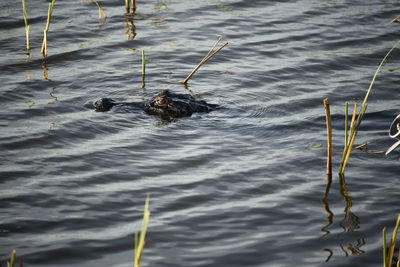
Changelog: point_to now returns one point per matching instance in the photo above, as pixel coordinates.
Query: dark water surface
(240, 186)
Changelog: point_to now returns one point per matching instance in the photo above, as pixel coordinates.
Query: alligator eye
(161, 101)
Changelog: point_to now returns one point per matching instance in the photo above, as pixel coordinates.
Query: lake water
(244, 185)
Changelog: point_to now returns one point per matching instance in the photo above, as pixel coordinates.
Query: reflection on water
(325, 204)
(130, 29)
(349, 224)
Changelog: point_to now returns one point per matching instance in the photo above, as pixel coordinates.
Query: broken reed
(388, 258)
(209, 55)
(355, 125)
(49, 13)
(139, 237)
(26, 27)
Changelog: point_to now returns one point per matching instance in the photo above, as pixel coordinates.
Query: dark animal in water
(164, 104)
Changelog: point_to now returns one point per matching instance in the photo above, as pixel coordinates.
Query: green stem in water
(26, 26)
(143, 69)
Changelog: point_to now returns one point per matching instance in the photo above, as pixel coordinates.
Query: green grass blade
(384, 247)
(24, 11)
(379, 67)
(140, 244)
(12, 260)
(143, 68)
(346, 114)
(393, 241)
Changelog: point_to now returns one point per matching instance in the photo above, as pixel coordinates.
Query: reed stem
(346, 114)
(393, 241)
(139, 244)
(353, 119)
(127, 6)
(44, 44)
(143, 68)
(205, 59)
(385, 261)
(354, 131)
(329, 137)
(133, 6)
(101, 11)
(26, 26)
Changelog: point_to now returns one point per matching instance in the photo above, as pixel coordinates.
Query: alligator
(164, 104)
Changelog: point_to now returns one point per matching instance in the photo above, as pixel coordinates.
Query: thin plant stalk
(133, 6)
(205, 59)
(329, 137)
(393, 241)
(353, 119)
(376, 72)
(101, 11)
(139, 241)
(143, 68)
(12, 259)
(26, 27)
(127, 6)
(49, 13)
(384, 247)
(347, 150)
(353, 133)
(45, 43)
(346, 114)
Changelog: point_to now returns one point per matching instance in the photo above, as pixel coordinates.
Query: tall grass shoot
(357, 123)
(139, 237)
(26, 27)
(49, 13)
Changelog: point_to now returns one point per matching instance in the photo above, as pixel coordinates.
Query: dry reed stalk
(100, 10)
(329, 137)
(363, 145)
(127, 6)
(133, 6)
(205, 59)
(396, 19)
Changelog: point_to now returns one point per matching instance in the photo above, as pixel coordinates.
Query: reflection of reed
(354, 249)
(130, 28)
(330, 254)
(349, 223)
(44, 66)
(54, 98)
(350, 218)
(326, 207)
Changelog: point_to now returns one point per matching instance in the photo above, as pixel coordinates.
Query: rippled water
(241, 186)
